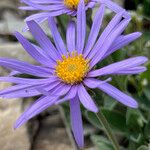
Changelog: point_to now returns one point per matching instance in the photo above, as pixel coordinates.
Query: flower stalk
(107, 128)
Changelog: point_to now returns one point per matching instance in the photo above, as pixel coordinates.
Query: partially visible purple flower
(58, 7)
(67, 71)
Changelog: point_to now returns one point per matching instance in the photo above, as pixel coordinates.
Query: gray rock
(11, 139)
(52, 135)
(15, 50)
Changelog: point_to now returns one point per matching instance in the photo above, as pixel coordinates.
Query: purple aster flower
(66, 71)
(59, 7)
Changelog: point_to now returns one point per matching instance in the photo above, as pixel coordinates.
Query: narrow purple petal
(61, 89)
(115, 93)
(119, 66)
(118, 95)
(27, 8)
(134, 70)
(43, 40)
(70, 95)
(13, 73)
(46, 1)
(36, 19)
(38, 15)
(56, 36)
(114, 7)
(38, 106)
(86, 99)
(110, 39)
(41, 17)
(24, 67)
(47, 89)
(33, 52)
(76, 121)
(90, 4)
(18, 91)
(81, 27)
(70, 37)
(91, 82)
(112, 24)
(57, 6)
(122, 41)
(40, 50)
(94, 30)
(28, 81)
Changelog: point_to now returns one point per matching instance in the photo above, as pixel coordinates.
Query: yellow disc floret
(72, 69)
(73, 4)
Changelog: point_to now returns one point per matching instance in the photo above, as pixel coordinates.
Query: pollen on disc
(72, 69)
(73, 4)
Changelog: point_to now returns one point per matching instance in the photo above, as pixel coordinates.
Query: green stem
(108, 131)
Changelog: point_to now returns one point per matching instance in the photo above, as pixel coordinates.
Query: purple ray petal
(46, 1)
(57, 6)
(38, 106)
(94, 30)
(90, 5)
(122, 41)
(76, 121)
(91, 82)
(47, 89)
(134, 70)
(19, 90)
(119, 66)
(112, 24)
(115, 93)
(33, 52)
(38, 15)
(70, 95)
(13, 73)
(40, 50)
(56, 36)
(43, 40)
(70, 37)
(41, 17)
(61, 89)
(86, 100)
(29, 92)
(24, 67)
(37, 20)
(27, 8)
(116, 8)
(24, 88)
(118, 95)
(110, 39)
(81, 27)
(28, 81)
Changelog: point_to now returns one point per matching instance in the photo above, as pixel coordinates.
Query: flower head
(66, 71)
(59, 7)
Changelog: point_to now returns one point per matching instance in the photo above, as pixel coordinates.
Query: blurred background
(51, 129)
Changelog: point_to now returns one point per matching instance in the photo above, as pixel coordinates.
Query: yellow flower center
(72, 69)
(73, 4)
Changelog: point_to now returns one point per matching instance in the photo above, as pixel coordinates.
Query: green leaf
(116, 120)
(134, 119)
(146, 74)
(143, 147)
(147, 93)
(147, 130)
(101, 143)
(136, 137)
(109, 103)
(92, 118)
